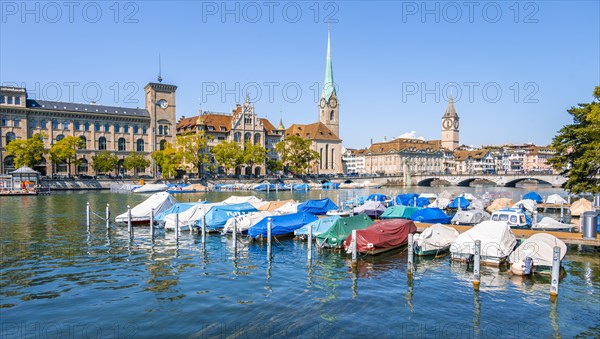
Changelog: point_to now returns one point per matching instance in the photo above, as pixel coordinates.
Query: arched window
(117, 128)
(332, 157)
(76, 126)
(106, 127)
(102, 143)
(247, 137)
(163, 144)
(10, 136)
(97, 127)
(9, 163)
(83, 166)
(160, 130)
(86, 126)
(144, 129)
(237, 136)
(121, 144)
(257, 138)
(126, 129)
(55, 124)
(321, 158)
(136, 129)
(326, 156)
(331, 115)
(83, 142)
(166, 130)
(43, 124)
(65, 125)
(60, 137)
(140, 145)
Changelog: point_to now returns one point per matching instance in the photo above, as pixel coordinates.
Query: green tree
(27, 152)
(134, 161)
(274, 165)
(577, 148)
(229, 154)
(104, 162)
(65, 150)
(193, 149)
(253, 154)
(169, 160)
(296, 154)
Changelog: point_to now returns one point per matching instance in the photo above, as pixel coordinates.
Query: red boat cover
(382, 234)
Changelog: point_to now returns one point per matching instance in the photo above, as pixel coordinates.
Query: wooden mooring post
(477, 265)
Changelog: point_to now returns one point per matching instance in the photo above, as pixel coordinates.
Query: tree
(296, 154)
(134, 161)
(169, 160)
(274, 165)
(253, 154)
(27, 152)
(193, 148)
(228, 154)
(577, 148)
(65, 150)
(104, 162)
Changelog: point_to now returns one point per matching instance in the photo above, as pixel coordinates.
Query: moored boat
(339, 231)
(141, 213)
(497, 242)
(434, 240)
(535, 254)
(514, 217)
(381, 236)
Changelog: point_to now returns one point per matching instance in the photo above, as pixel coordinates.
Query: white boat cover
(445, 195)
(252, 200)
(540, 248)
(468, 196)
(159, 201)
(370, 208)
(245, 221)
(288, 208)
(435, 237)
(555, 199)
(582, 205)
(500, 203)
(189, 217)
(497, 240)
(549, 224)
(151, 188)
(470, 217)
(440, 203)
(428, 195)
(479, 204)
(528, 205)
(273, 205)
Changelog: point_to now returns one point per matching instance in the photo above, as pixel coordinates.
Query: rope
(99, 216)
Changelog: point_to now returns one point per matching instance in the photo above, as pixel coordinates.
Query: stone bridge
(505, 180)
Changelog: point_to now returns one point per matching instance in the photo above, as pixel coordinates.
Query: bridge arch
(427, 182)
(514, 182)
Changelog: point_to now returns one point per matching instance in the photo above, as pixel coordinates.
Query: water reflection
(491, 278)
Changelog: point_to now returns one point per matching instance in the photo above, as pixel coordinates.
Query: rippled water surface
(59, 280)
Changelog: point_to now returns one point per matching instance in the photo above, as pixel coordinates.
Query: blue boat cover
(459, 201)
(282, 224)
(318, 226)
(330, 185)
(377, 197)
(301, 187)
(408, 199)
(183, 206)
(431, 215)
(533, 196)
(317, 207)
(217, 216)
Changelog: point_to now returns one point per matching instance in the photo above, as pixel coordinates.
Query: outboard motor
(528, 266)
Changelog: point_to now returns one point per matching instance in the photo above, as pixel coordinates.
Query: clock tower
(329, 108)
(450, 124)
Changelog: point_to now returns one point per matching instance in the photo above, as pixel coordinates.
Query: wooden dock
(568, 237)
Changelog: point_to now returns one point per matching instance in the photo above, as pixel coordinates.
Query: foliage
(296, 154)
(577, 148)
(193, 149)
(65, 150)
(135, 161)
(253, 154)
(229, 154)
(274, 165)
(169, 160)
(27, 152)
(104, 162)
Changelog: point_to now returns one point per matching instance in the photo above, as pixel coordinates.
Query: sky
(513, 68)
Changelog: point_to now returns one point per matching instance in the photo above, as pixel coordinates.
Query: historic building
(241, 125)
(450, 124)
(480, 161)
(354, 161)
(120, 130)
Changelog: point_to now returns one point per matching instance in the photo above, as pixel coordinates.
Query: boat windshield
(513, 219)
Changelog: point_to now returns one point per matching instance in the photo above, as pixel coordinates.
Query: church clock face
(333, 102)
(447, 124)
(323, 103)
(163, 103)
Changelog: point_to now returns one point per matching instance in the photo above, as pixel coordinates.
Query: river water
(60, 280)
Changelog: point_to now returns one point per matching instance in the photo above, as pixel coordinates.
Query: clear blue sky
(389, 58)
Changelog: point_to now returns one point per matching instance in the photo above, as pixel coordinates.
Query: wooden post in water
(129, 223)
(309, 253)
(152, 223)
(234, 236)
(411, 251)
(203, 229)
(354, 250)
(555, 272)
(87, 214)
(269, 228)
(476, 264)
(177, 226)
(108, 215)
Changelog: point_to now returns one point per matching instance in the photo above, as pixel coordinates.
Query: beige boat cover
(500, 204)
(580, 206)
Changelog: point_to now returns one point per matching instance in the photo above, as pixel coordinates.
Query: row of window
(77, 126)
(16, 122)
(121, 142)
(10, 100)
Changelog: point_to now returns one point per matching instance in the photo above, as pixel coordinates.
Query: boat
(217, 216)
(497, 242)
(178, 207)
(376, 197)
(273, 205)
(151, 188)
(459, 203)
(301, 187)
(533, 196)
(499, 204)
(431, 216)
(141, 213)
(399, 212)
(470, 217)
(281, 224)
(535, 254)
(555, 199)
(193, 188)
(189, 218)
(342, 212)
(526, 204)
(578, 207)
(440, 202)
(287, 208)
(317, 207)
(410, 199)
(245, 221)
(549, 224)
(381, 236)
(236, 199)
(435, 239)
(319, 226)
(373, 209)
(339, 231)
(514, 217)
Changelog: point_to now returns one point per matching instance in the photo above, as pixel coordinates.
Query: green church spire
(328, 84)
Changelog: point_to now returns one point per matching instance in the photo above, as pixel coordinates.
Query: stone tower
(450, 126)
(329, 109)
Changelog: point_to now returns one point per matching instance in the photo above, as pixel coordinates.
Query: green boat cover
(399, 212)
(341, 229)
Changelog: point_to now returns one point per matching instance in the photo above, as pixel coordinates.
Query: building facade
(120, 130)
(450, 125)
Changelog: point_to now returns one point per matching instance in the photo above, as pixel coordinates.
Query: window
(97, 127)
(136, 129)
(117, 128)
(83, 142)
(166, 130)
(55, 124)
(65, 125)
(140, 145)
(102, 143)
(33, 123)
(83, 166)
(163, 144)
(10, 136)
(513, 219)
(247, 137)
(331, 115)
(10, 100)
(76, 126)
(17, 122)
(2, 99)
(17, 100)
(86, 126)
(61, 167)
(160, 130)
(60, 137)
(4, 122)
(121, 144)
(126, 128)
(43, 124)
(106, 127)
(144, 129)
